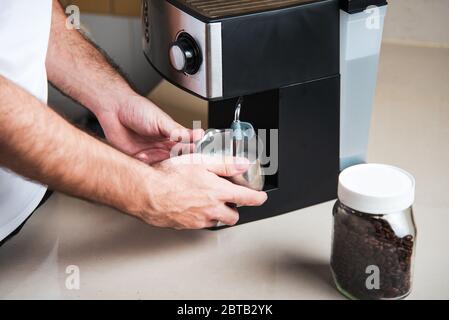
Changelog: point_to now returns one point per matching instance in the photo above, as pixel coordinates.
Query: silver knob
(185, 54)
(177, 58)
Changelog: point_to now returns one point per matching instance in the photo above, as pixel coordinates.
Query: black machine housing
(283, 58)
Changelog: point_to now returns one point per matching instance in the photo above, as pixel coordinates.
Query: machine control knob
(185, 54)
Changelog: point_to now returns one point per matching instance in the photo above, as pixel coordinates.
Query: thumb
(219, 165)
(178, 133)
(226, 166)
(169, 128)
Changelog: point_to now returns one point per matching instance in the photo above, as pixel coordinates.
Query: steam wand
(237, 109)
(241, 130)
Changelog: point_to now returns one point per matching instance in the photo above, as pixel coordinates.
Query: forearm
(38, 144)
(81, 71)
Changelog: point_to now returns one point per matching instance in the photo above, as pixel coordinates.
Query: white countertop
(286, 257)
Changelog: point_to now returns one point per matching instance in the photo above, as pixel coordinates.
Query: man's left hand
(139, 128)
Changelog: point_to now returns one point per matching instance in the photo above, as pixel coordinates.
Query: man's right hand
(189, 192)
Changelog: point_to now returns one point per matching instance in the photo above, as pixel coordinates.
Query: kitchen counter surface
(286, 257)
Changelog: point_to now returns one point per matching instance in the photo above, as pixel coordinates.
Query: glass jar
(374, 233)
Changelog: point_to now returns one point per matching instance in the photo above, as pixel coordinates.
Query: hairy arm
(181, 193)
(76, 67)
(132, 124)
(38, 144)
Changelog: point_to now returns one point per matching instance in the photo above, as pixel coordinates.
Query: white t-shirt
(24, 34)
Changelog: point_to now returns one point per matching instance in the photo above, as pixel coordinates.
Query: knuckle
(188, 226)
(202, 225)
(227, 170)
(263, 197)
(197, 224)
(211, 214)
(235, 219)
(256, 198)
(229, 217)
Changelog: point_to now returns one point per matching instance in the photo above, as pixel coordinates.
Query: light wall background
(418, 22)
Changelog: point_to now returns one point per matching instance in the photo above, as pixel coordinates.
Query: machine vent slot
(222, 8)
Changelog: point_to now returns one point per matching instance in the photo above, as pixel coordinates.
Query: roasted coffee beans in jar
(374, 233)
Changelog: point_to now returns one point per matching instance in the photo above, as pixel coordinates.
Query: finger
(197, 135)
(180, 149)
(152, 156)
(226, 166)
(179, 133)
(141, 144)
(219, 165)
(242, 196)
(210, 224)
(228, 216)
(143, 157)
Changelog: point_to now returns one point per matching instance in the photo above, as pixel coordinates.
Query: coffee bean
(361, 240)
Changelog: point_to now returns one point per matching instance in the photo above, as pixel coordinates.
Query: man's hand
(131, 123)
(139, 128)
(188, 192)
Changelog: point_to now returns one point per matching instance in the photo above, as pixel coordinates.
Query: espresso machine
(293, 64)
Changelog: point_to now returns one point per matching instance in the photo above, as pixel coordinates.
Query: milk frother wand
(240, 131)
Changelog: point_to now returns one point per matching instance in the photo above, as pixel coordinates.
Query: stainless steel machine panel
(162, 23)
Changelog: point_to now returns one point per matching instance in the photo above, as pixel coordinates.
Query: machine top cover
(217, 9)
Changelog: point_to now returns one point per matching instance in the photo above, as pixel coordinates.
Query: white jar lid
(376, 188)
